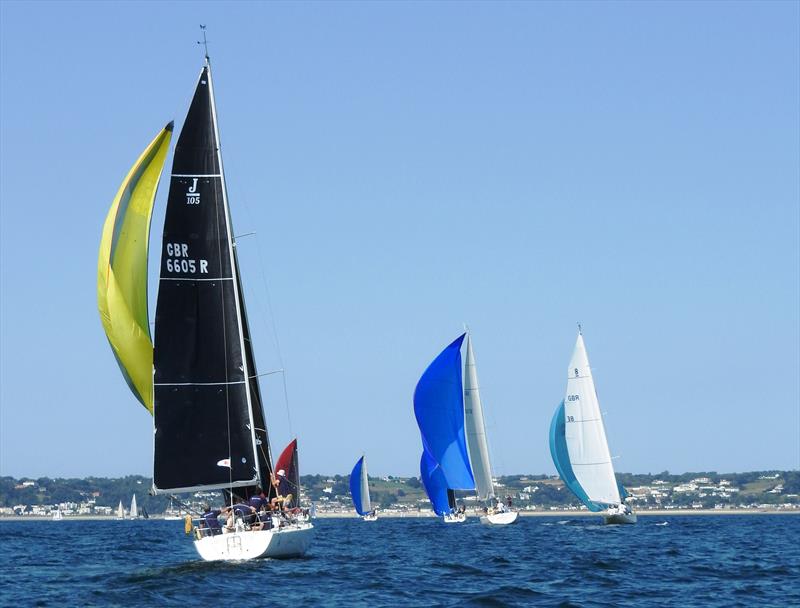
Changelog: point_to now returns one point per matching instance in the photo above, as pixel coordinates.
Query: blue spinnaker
(355, 486)
(560, 454)
(439, 408)
(623, 493)
(435, 484)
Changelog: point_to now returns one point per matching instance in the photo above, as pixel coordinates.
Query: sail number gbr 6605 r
(182, 262)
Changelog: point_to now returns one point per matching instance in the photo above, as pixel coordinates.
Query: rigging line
(270, 312)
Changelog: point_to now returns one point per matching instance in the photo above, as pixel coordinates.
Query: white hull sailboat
(120, 511)
(616, 517)
(454, 518)
(199, 379)
(579, 446)
(134, 512)
(500, 518)
(496, 513)
(290, 541)
(58, 515)
(455, 451)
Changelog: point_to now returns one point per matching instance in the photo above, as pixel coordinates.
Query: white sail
(120, 511)
(585, 434)
(475, 429)
(134, 510)
(366, 504)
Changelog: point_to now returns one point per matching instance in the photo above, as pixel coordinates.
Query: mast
(205, 425)
(476, 429)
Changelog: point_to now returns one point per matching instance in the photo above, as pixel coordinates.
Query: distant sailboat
(199, 378)
(496, 513)
(450, 417)
(57, 514)
(359, 491)
(172, 513)
(120, 511)
(134, 513)
(439, 410)
(579, 446)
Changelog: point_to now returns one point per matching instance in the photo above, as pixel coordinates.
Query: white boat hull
(370, 518)
(619, 518)
(457, 518)
(290, 541)
(500, 519)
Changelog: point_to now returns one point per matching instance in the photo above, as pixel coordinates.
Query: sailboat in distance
(359, 491)
(199, 378)
(449, 413)
(120, 511)
(134, 513)
(579, 446)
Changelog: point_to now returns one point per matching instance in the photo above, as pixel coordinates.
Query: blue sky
(409, 167)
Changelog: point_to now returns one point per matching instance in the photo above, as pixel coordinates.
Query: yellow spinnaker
(122, 269)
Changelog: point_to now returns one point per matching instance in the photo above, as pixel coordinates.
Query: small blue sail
(355, 486)
(439, 409)
(560, 454)
(623, 493)
(435, 484)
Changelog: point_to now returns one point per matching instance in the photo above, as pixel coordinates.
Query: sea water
(539, 561)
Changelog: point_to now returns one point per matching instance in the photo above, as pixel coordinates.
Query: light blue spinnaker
(355, 488)
(560, 454)
(435, 484)
(439, 409)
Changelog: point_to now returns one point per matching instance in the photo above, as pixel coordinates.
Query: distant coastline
(430, 515)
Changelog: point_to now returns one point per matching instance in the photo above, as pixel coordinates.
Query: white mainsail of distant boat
(120, 511)
(359, 491)
(579, 446)
(57, 514)
(134, 511)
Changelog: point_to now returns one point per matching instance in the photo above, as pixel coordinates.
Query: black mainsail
(209, 423)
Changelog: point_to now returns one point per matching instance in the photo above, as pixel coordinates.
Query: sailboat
(57, 514)
(199, 378)
(134, 512)
(172, 513)
(359, 491)
(450, 417)
(120, 511)
(579, 446)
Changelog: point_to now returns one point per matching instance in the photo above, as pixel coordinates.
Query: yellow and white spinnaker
(122, 269)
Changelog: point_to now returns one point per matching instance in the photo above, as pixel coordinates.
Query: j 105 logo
(192, 195)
